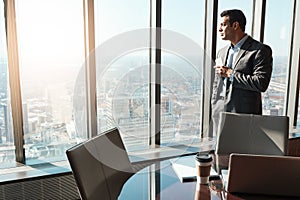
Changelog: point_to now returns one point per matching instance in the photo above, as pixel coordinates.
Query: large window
(122, 66)
(278, 35)
(55, 40)
(7, 150)
(51, 53)
(181, 78)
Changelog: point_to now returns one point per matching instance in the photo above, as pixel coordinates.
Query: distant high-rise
(3, 80)
(3, 99)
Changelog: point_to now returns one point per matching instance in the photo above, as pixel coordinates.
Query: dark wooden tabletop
(161, 183)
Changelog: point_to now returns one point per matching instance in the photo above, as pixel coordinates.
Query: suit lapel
(242, 51)
(225, 54)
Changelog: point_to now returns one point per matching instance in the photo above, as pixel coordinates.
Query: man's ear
(236, 25)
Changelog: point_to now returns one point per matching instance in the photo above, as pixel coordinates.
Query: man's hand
(223, 71)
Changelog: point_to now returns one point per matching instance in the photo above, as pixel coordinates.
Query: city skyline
(38, 111)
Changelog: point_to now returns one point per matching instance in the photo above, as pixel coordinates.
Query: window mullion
(156, 81)
(259, 9)
(209, 53)
(90, 68)
(294, 72)
(14, 80)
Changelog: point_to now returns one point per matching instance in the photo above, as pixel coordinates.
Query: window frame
(210, 36)
(293, 92)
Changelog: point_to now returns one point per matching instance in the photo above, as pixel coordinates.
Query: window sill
(294, 135)
(24, 172)
(167, 152)
(20, 172)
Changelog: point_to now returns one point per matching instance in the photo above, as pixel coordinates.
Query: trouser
(217, 108)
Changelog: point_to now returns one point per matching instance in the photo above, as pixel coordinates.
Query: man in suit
(242, 72)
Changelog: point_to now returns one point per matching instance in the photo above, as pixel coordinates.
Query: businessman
(242, 72)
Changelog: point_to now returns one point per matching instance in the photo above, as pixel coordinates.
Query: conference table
(160, 182)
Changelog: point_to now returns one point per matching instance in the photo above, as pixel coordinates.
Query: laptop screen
(262, 174)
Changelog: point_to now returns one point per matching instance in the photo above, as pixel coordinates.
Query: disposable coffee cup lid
(203, 157)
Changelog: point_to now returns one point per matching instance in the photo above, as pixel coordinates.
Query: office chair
(252, 134)
(101, 166)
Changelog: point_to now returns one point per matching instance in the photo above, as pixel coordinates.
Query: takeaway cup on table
(203, 167)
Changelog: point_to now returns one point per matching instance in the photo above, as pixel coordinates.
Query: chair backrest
(100, 166)
(252, 134)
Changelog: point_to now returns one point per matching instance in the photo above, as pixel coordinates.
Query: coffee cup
(202, 192)
(203, 167)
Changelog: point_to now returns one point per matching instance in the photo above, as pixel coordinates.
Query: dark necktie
(229, 64)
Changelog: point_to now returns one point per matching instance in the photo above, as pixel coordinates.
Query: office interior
(71, 69)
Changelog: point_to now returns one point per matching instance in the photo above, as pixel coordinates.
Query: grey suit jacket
(252, 74)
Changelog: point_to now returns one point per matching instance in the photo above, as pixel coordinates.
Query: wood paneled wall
(294, 147)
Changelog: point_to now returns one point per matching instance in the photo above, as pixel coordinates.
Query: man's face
(226, 31)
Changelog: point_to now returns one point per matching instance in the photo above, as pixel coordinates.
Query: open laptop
(262, 174)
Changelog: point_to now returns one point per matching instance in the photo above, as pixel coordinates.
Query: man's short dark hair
(235, 15)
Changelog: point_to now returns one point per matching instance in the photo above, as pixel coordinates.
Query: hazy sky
(45, 26)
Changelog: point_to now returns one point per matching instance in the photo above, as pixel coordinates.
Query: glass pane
(278, 36)
(181, 78)
(113, 17)
(7, 148)
(245, 6)
(51, 50)
(122, 65)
